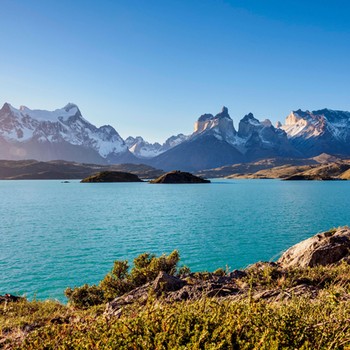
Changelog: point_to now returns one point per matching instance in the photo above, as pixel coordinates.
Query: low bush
(119, 281)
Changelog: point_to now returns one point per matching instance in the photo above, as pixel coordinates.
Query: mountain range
(65, 134)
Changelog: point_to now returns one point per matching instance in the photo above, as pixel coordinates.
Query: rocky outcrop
(9, 298)
(172, 289)
(179, 177)
(112, 176)
(268, 281)
(322, 249)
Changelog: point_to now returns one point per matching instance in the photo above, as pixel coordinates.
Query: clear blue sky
(151, 67)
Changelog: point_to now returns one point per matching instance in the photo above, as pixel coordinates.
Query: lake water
(54, 235)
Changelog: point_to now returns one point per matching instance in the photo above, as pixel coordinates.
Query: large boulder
(167, 283)
(322, 249)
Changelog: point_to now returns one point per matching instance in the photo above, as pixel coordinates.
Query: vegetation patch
(266, 311)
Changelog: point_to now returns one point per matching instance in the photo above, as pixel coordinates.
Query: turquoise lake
(54, 235)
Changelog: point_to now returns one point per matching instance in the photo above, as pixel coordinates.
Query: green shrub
(120, 281)
(85, 296)
(117, 282)
(147, 267)
(183, 270)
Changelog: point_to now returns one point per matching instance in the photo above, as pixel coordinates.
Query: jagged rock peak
(6, 107)
(70, 105)
(209, 116)
(223, 113)
(249, 117)
(301, 113)
(221, 124)
(205, 117)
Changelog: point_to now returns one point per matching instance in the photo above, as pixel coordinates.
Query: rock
(179, 177)
(322, 249)
(165, 282)
(137, 295)
(112, 176)
(10, 298)
(237, 274)
(169, 288)
(262, 265)
(279, 294)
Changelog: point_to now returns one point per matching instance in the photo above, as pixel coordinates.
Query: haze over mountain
(65, 134)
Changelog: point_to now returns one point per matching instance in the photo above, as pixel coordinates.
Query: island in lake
(112, 176)
(179, 177)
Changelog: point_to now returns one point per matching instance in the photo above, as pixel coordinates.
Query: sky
(152, 67)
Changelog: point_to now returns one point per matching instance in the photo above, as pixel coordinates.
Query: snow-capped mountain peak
(143, 149)
(319, 131)
(59, 130)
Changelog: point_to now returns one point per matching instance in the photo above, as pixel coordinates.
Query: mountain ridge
(65, 134)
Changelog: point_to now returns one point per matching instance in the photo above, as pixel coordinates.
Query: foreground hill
(58, 169)
(300, 301)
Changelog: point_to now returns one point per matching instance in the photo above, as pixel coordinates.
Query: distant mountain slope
(319, 131)
(254, 167)
(263, 140)
(32, 170)
(285, 168)
(59, 134)
(198, 153)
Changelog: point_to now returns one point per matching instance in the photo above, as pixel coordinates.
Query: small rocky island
(112, 176)
(179, 177)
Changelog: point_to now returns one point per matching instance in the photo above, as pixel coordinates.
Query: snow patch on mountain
(143, 149)
(306, 124)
